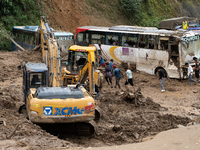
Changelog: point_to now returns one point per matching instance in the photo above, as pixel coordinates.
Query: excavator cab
(35, 75)
(76, 61)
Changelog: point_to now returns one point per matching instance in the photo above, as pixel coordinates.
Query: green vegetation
(18, 13)
(145, 12)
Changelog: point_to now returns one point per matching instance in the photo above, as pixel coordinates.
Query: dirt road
(122, 122)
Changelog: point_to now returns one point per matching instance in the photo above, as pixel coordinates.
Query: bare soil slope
(67, 15)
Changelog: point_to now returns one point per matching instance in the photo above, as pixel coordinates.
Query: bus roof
(61, 33)
(135, 30)
(27, 28)
(36, 28)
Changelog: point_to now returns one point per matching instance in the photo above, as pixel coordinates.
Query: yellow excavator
(47, 101)
(82, 67)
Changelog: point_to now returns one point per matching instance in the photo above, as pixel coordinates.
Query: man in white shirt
(129, 78)
(189, 73)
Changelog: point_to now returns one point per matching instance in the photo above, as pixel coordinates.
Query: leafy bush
(131, 9)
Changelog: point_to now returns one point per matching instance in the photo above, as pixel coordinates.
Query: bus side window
(97, 39)
(143, 41)
(151, 42)
(156, 42)
(16, 37)
(112, 40)
(130, 41)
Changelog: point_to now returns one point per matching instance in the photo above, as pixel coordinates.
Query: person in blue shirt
(101, 60)
(111, 64)
(117, 73)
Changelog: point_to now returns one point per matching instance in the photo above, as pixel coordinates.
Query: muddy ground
(121, 120)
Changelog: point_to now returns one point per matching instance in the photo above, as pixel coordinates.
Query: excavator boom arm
(50, 54)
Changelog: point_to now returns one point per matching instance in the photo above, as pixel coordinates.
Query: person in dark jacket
(162, 79)
(197, 73)
(97, 91)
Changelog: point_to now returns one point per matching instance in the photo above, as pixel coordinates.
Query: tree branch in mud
(13, 132)
(21, 48)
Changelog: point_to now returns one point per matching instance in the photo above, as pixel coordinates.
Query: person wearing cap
(129, 77)
(101, 60)
(189, 73)
(117, 73)
(108, 74)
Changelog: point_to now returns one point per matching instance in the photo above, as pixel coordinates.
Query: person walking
(196, 68)
(129, 78)
(189, 73)
(117, 73)
(97, 91)
(108, 74)
(197, 72)
(196, 62)
(162, 79)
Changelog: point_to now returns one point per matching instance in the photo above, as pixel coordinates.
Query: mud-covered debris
(117, 128)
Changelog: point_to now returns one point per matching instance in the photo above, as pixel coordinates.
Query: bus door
(174, 51)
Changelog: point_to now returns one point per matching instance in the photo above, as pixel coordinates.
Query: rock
(180, 126)
(190, 123)
(117, 128)
(194, 91)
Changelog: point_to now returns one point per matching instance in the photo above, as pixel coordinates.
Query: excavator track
(81, 128)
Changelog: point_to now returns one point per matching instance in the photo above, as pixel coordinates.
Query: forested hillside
(69, 14)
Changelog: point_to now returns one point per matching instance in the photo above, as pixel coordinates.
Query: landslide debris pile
(125, 117)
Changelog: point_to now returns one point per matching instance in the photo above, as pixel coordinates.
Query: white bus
(148, 48)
